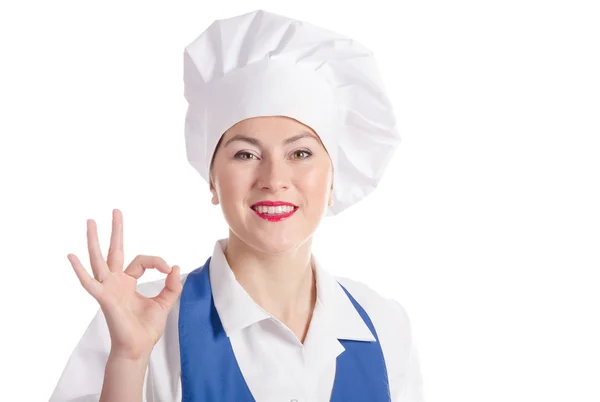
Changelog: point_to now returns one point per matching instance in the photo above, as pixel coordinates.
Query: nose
(274, 175)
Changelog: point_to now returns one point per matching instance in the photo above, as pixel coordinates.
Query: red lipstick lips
(273, 217)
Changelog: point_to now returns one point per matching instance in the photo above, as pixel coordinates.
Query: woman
(286, 122)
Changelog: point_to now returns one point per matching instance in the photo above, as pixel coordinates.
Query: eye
(244, 155)
(301, 154)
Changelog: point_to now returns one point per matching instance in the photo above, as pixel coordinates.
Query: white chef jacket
(276, 366)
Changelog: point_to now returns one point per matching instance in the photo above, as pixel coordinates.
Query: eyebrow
(258, 143)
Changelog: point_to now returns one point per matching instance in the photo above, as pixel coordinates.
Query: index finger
(138, 266)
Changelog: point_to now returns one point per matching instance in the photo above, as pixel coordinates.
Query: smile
(274, 211)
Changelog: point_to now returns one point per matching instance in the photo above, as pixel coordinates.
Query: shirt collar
(237, 310)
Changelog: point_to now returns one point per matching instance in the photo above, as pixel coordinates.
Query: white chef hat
(264, 64)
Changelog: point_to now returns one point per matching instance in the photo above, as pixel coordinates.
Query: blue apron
(209, 370)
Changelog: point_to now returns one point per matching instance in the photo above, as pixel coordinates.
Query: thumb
(169, 294)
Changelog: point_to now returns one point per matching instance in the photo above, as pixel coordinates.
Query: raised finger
(99, 266)
(140, 263)
(91, 285)
(115, 251)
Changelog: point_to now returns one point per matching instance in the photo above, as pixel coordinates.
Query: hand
(135, 322)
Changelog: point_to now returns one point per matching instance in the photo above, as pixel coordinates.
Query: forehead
(269, 127)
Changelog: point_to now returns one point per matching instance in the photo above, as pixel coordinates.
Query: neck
(282, 284)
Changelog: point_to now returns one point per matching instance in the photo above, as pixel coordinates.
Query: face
(273, 179)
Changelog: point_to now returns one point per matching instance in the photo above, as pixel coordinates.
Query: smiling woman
(254, 176)
(287, 122)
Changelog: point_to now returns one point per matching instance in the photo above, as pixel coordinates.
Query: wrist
(124, 378)
(129, 359)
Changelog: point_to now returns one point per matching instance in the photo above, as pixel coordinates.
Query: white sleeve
(83, 376)
(414, 384)
(412, 390)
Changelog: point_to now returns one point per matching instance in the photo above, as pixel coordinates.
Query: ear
(215, 196)
(330, 202)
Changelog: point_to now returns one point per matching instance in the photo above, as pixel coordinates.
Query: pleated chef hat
(264, 64)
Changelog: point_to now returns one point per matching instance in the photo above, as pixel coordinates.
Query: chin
(273, 243)
(270, 241)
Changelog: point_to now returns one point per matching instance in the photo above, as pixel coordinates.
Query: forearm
(124, 379)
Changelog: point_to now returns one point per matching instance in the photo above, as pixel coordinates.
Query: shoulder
(388, 311)
(393, 328)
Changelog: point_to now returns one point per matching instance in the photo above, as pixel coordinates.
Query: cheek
(233, 183)
(315, 181)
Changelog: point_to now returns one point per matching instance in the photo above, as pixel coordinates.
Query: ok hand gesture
(135, 322)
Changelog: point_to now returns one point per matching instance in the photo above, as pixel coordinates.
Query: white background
(486, 226)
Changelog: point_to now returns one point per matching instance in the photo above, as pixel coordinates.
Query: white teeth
(281, 209)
